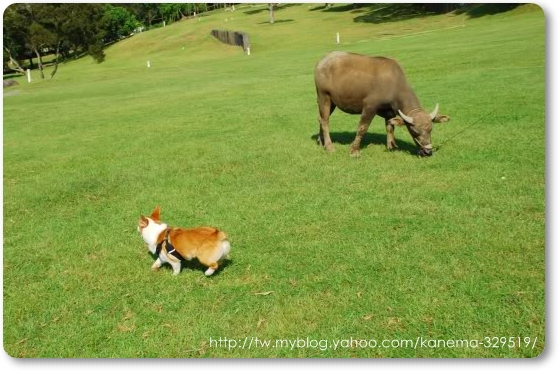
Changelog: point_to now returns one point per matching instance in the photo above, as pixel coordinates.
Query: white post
(248, 51)
(148, 64)
(337, 37)
(163, 23)
(28, 75)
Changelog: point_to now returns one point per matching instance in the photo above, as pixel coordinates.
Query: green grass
(386, 246)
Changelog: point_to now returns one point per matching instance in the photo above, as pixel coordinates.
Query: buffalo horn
(406, 118)
(435, 112)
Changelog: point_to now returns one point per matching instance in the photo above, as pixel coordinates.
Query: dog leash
(172, 251)
(438, 147)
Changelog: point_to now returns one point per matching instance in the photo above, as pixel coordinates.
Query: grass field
(324, 247)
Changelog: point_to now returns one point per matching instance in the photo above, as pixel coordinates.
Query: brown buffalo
(370, 86)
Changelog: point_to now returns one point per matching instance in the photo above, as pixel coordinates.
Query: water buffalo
(370, 86)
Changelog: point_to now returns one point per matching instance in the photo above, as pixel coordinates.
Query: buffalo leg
(390, 141)
(325, 108)
(366, 118)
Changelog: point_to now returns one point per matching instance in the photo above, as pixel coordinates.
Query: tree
(85, 28)
(171, 11)
(201, 8)
(65, 29)
(80, 26)
(120, 22)
(152, 13)
(49, 27)
(271, 7)
(145, 13)
(40, 38)
(15, 33)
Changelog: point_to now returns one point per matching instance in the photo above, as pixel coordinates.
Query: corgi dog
(172, 245)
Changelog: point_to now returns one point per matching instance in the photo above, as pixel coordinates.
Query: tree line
(32, 31)
(65, 31)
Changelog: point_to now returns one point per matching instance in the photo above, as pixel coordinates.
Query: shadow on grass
(277, 21)
(194, 265)
(265, 8)
(480, 10)
(343, 8)
(319, 7)
(377, 13)
(384, 13)
(11, 75)
(346, 138)
(387, 12)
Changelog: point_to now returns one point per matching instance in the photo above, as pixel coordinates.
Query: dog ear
(144, 222)
(155, 215)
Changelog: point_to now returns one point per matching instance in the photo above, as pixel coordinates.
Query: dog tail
(225, 245)
(221, 235)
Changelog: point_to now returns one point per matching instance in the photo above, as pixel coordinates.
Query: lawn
(324, 247)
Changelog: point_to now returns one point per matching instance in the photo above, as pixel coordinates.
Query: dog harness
(168, 246)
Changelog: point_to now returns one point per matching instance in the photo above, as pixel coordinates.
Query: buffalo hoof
(329, 148)
(390, 146)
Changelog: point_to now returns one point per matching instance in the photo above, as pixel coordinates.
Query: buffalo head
(419, 124)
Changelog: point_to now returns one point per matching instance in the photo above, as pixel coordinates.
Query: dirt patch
(9, 83)
(11, 93)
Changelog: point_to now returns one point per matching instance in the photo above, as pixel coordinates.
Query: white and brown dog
(172, 245)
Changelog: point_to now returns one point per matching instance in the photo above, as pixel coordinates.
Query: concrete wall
(232, 37)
